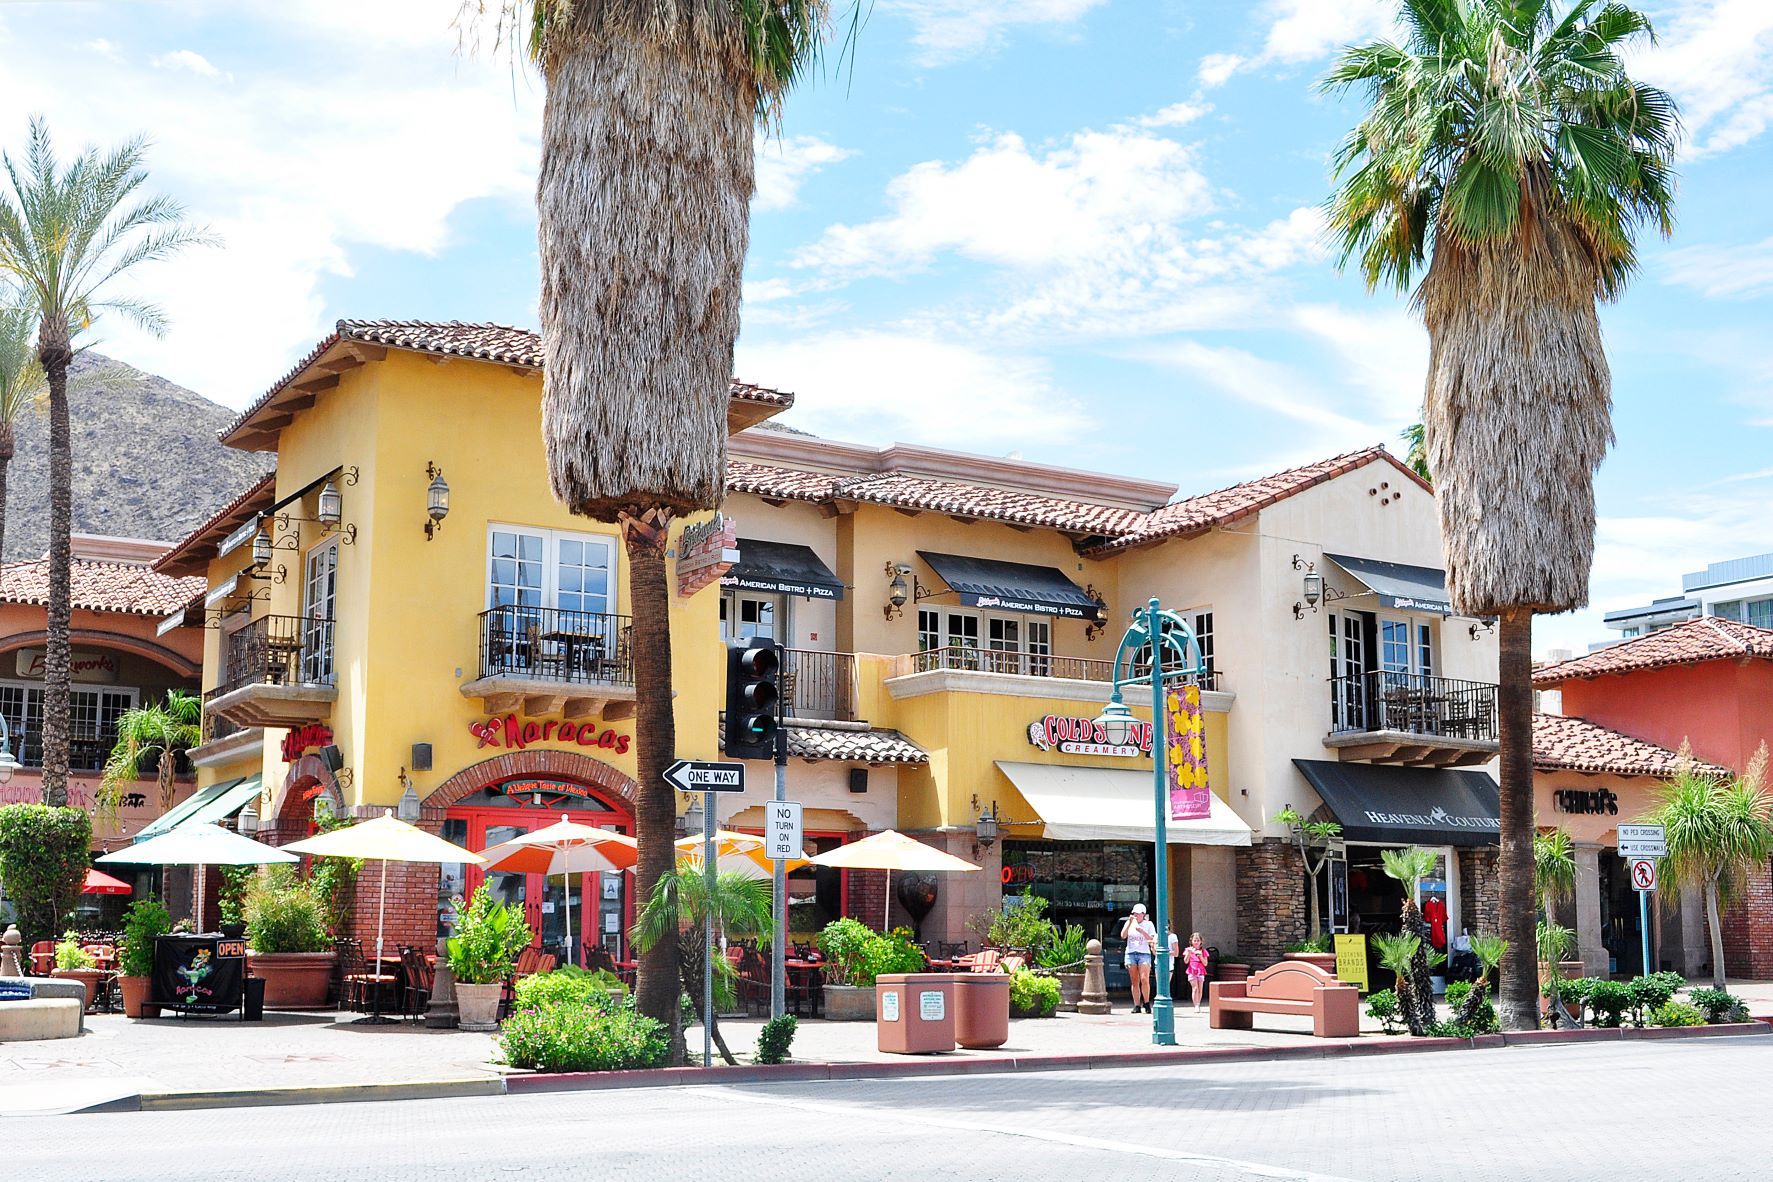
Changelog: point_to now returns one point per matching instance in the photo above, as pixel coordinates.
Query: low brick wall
(1748, 927)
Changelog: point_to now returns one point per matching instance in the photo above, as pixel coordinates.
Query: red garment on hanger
(1434, 913)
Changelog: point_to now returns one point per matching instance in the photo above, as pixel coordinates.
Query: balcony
(224, 740)
(965, 669)
(818, 685)
(1409, 718)
(277, 671)
(1024, 664)
(547, 661)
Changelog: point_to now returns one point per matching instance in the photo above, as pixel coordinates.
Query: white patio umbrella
(890, 850)
(566, 847)
(199, 844)
(386, 839)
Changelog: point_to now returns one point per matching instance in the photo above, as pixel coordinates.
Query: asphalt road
(1632, 1110)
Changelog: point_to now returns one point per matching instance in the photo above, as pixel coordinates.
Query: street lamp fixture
(407, 809)
(436, 500)
(1116, 721)
(898, 591)
(246, 822)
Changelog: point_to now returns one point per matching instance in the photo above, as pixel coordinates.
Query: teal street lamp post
(1165, 640)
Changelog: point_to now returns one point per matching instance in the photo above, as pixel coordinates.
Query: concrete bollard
(1095, 988)
(10, 944)
(441, 1014)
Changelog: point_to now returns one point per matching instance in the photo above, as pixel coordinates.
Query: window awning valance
(1012, 586)
(1408, 588)
(1407, 805)
(1107, 804)
(782, 567)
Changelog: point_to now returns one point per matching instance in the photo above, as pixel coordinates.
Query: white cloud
(1215, 68)
(946, 31)
(1723, 272)
(1023, 207)
(906, 386)
(1175, 115)
(297, 172)
(1384, 356)
(1303, 31)
(783, 165)
(186, 59)
(1268, 385)
(1716, 57)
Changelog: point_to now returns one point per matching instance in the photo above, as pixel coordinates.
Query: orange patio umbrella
(565, 848)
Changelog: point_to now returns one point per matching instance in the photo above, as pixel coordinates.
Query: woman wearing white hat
(1141, 937)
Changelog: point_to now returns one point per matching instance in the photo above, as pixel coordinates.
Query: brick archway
(292, 809)
(569, 765)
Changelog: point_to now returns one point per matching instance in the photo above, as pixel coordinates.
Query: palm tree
(643, 205)
(1410, 866)
(1554, 869)
(21, 383)
(1509, 161)
(1398, 952)
(1489, 951)
(1415, 438)
(679, 905)
(64, 235)
(1715, 831)
(151, 738)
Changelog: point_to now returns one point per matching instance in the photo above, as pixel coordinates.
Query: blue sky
(1081, 231)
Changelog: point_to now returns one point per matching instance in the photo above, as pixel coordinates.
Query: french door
(600, 902)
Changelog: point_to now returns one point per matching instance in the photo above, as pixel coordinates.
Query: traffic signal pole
(779, 896)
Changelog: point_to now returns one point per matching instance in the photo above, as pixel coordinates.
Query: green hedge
(44, 856)
(574, 1022)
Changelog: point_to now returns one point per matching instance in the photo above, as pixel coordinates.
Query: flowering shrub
(573, 1022)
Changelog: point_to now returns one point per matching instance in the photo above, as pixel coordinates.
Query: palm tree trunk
(655, 741)
(1717, 932)
(55, 355)
(8, 447)
(1518, 998)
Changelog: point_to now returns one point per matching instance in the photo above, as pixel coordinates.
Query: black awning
(782, 567)
(1407, 805)
(1411, 588)
(1012, 586)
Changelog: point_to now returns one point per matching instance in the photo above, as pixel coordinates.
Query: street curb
(520, 1083)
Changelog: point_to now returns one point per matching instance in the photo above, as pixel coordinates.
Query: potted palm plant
(287, 941)
(1063, 959)
(145, 919)
(75, 963)
(482, 952)
(681, 903)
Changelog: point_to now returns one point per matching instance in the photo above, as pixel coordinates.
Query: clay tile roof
(500, 343)
(1198, 514)
(102, 587)
(855, 743)
(1693, 642)
(1577, 745)
(191, 554)
(903, 490)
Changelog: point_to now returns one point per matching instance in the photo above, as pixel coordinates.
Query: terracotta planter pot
(293, 980)
(1323, 960)
(1231, 971)
(90, 978)
(848, 1003)
(1070, 991)
(135, 998)
(478, 1006)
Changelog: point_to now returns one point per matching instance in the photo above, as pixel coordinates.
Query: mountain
(146, 460)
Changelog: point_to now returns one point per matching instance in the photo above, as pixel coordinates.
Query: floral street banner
(1186, 751)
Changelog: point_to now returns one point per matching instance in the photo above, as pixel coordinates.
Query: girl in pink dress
(1194, 960)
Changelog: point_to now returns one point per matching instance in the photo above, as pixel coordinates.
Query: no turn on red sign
(1643, 874)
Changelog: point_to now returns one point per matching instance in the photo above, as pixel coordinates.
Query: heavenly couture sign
(1081, 736)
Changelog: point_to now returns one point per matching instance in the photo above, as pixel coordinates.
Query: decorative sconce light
(1313, 589)
(436, 500)
(246, 822)
(261, 547)
(1099, 618)
(262, 553)
(329, 505)
(898, 590)
(408, 807)
(1482, 628)
(985, 823)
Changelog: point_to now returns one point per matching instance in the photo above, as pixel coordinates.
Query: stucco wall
(1723, 708)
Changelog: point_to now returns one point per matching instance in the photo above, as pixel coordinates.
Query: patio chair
(42, 958)
(419, 974)
(361, 985)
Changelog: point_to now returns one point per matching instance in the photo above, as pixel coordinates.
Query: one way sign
(698, 775)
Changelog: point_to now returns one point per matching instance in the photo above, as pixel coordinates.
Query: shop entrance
(1374, 903)
(1621, 933)
(601, 903)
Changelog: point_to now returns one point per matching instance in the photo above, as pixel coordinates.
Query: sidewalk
(120, 1057)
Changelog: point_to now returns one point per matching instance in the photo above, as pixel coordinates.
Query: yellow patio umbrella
(735, 853)
(385, 839)
(566, 847)
(890, 850)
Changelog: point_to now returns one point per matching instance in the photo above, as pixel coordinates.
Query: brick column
(1748, 927)
(1480, 899)
(1271, 907)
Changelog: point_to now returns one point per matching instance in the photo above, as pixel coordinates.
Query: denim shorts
(1138, 958)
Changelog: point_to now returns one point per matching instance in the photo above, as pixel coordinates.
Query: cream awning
(1103, 804)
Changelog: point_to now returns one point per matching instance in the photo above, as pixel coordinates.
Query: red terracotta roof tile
(1577, 745)
(192, 551)
(102, 587)
(1709, 638)
(498, 343)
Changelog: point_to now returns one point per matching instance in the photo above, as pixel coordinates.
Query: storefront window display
(1090, 883)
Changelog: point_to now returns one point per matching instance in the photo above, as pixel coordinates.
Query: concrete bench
(40, 1018)
(1290, 987)
(47, 989)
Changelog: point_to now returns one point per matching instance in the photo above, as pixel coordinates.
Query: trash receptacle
(981, 1009)
(914, 1013)
(253, 1005)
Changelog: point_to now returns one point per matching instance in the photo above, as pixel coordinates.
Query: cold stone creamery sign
(514, 734)
(1081, 736)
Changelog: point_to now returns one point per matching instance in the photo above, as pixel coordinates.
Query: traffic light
(752, 699)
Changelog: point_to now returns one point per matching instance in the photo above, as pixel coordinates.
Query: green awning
(179, 813)
(228, 803)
